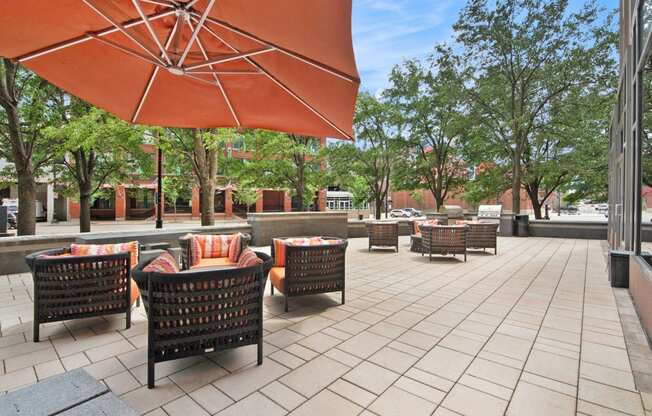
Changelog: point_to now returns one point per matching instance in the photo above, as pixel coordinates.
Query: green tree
(199, 148)
(246, 195)
(377, 129)
(97, 150)
(26, 110)
(522, 55)
(175, 187)
(283, 161)
(430, 100)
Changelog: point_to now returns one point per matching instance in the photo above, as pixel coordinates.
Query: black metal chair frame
(73, 287)
(197, 312)
(311, 270)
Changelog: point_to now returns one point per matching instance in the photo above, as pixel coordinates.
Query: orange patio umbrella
(285, 65)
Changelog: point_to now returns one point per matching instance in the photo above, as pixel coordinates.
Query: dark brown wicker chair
(383, 234)
(186, 247)
(443, 239)
(71, 287)
(311, 270)
(482, 236)
(197, 312)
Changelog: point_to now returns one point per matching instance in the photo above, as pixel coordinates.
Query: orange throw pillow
(214, 246)
(164, 263)
(104, 249)
(235, 247)
(248, 258)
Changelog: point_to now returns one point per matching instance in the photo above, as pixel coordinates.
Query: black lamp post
(159, 189)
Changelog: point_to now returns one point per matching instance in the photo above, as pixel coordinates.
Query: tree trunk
(533, 194)
(26, 222)
(439, 201)
(84, 209)
(207, 203)
(299, 191)
(516, 183)
(379, 207)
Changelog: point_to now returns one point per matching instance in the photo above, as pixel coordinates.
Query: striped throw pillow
(214, 246)
(164, 263)
(235, 247)
(248, 258)
(418, 224)
(280, 245)
(104, 249)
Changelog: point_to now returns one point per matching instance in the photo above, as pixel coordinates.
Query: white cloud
(387, 32)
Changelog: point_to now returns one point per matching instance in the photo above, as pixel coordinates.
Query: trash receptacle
(506, 225)
(521, 222)
(619, 268)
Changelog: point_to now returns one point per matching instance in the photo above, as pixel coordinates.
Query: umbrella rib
(225, 72)
(162, 3)
(128, 51)
(195, 33)
(87, 37)
(296, 97)
(151, 31)
(217, 80)
(118, 25)
(141, 103)
(145, 94)
(280, 84)
(229, 58)
(285, 51)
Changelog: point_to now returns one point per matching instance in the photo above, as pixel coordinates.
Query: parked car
(400, 213)
(39, 210)
(12, 221)
(413, 211)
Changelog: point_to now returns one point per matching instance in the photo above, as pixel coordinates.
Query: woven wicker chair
(311, 270)
(482, 236)
(443, 239)
(197, 312)
(383, 234)
(186, 249)
(71, 287)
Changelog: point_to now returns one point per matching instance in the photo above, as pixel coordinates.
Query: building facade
(630, 159)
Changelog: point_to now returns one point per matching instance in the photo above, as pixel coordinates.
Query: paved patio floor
(534, 330)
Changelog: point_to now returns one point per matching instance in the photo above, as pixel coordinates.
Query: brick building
(137, 200)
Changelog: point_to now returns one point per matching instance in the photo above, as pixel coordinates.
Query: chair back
(444, 238)
(68, 287)
(201, 311)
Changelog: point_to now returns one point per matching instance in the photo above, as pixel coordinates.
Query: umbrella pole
(159, 190)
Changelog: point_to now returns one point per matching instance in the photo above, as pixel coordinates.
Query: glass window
(645, 21)
(646, 152)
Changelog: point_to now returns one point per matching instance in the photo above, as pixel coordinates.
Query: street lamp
(159, 189)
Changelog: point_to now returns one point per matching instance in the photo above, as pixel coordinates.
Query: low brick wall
(593, 230)
(14, 249)
(358, 229)
(266, 226)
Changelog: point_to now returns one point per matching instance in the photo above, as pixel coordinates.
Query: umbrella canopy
(284, 65)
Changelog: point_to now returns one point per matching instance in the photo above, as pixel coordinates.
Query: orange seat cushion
(134, 291)
(277, 277)
(216, 262)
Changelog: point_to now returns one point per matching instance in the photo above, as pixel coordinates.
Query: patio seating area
(535, 329)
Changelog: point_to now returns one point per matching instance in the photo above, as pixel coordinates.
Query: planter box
(265, 226)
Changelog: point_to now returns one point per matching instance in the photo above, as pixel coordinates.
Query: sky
(386, 32)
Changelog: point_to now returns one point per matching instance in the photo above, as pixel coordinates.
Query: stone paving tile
(534, 330)
(314, 375)
(397, 402)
